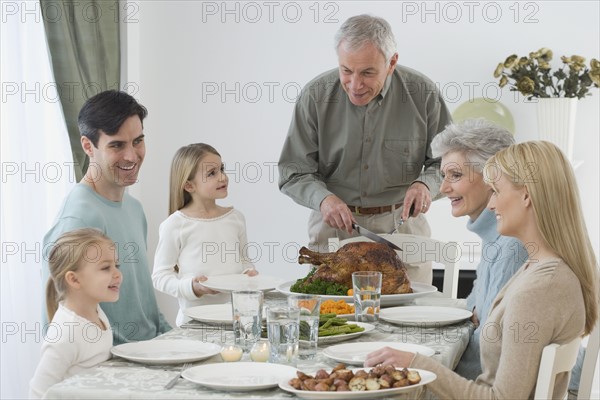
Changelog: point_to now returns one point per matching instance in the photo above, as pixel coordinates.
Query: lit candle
(261, 351)
(231, 353)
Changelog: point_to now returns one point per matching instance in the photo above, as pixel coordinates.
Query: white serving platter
(426, 378)
(419, 290)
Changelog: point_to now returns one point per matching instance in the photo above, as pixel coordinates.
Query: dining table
(119, 378)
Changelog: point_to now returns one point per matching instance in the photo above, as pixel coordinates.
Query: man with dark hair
(111, 126)
(106, 112)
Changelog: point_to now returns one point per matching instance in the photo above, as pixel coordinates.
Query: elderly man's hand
(419, 195)
(336, 213)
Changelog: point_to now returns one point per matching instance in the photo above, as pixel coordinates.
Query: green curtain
(83, 40)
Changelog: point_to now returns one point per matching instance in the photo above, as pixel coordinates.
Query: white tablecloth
(120, 379)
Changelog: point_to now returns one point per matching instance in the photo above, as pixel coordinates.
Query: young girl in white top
(200, 238)
(83, 272)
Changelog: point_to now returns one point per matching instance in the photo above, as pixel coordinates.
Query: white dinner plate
(214, 313)
(419, 290)
(424, 316)
(239, 376)
(347, 336)
(426, 377)
(355, 353)
(211, 313)
(168, 351)
(230, 283)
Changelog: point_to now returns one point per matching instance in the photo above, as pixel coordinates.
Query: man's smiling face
(117, 159)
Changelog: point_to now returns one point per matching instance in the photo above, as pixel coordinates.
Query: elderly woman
(464, 149)
(535, 199)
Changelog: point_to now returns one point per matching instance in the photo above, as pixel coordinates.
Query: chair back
(588, 367)
(555, 359)
(419, 249)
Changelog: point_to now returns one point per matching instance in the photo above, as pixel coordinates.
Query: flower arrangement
(533, 77)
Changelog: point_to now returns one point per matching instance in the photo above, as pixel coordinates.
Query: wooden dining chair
(555, 359)
(419, 249)
(588, 367)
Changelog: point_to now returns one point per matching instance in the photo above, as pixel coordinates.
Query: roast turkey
(359, 256)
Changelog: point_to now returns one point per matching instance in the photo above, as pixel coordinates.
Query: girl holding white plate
(200, 238)
(537, 201)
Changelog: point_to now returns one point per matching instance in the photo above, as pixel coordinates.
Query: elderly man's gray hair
(476, 139)
(362, 29)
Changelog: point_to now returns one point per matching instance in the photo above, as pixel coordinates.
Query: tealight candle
(231, 353)
(261, 351)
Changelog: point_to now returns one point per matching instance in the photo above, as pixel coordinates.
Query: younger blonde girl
(200, 238)
(83, 272)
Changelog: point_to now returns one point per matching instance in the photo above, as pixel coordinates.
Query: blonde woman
(200, 238)
(83, 272)
(536, 200)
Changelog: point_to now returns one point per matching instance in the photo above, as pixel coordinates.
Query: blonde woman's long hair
(67, 254)
(548, 176)
(183, 168)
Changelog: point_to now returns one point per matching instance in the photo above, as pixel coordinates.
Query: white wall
(256, 56)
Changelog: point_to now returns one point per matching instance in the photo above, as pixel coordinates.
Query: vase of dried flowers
(556, 91)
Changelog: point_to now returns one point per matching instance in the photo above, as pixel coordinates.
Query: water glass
(309, 306)
(367, 295)
(283, 330)
(247, 317)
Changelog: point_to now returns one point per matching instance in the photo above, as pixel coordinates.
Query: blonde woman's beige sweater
(541, 304)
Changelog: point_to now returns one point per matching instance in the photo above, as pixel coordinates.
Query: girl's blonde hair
(184, 168)
(66, 255)
(546, 173)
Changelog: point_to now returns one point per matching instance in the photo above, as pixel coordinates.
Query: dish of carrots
(339, 307)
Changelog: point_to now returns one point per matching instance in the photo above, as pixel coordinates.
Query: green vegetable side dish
(330, 325)
(319, 286)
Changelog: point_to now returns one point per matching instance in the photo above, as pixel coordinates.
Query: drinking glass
(283, 330)
(367, 295)
(247, 317)
(309, 306)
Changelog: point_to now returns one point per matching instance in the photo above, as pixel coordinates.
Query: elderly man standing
(358, 147)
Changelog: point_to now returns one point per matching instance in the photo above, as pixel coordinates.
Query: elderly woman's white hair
(476, 139)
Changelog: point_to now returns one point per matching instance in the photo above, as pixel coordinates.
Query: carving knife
(373, 236)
